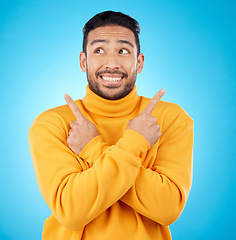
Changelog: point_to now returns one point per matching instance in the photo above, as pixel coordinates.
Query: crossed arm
(77, 197)
(83, 131)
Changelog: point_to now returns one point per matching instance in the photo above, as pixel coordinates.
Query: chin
(111, 92)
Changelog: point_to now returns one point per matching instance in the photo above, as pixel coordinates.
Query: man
(112, 165)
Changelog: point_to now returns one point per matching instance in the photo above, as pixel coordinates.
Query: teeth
(111, 79)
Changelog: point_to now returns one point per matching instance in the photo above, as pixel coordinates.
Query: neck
(111, 108)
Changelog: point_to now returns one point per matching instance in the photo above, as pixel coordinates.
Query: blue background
(190, 51)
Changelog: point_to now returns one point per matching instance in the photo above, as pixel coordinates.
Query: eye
(123, 51)
(99, 50)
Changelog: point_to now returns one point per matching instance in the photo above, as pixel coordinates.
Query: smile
(111, 79)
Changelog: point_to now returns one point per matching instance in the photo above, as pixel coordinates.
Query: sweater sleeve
(76, 192)
(160, 191)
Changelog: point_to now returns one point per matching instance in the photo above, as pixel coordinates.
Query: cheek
(130, 66)
(93, 66)
(133, 69)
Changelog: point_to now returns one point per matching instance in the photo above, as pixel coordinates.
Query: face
(111, 61)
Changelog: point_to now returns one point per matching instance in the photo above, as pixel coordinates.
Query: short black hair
(109, 18)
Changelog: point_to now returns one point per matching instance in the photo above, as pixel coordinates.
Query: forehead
(111, 33)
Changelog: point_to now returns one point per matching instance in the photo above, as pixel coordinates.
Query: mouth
(111, 79)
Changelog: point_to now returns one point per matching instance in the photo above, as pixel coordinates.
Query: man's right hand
(82, 130)
(145, 123)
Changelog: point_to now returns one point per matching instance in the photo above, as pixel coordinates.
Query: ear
(140, 62)
(82, 59)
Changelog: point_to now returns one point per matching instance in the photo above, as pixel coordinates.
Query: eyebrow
(98, 41)
(106, 41)
(126, 42)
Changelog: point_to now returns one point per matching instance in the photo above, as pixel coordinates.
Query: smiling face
(111, 61)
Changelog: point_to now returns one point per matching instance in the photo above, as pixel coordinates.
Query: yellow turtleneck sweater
(119, 187)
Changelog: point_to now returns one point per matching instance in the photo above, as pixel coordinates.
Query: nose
(112, 61)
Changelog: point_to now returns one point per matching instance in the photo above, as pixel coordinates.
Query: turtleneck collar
(111, 108)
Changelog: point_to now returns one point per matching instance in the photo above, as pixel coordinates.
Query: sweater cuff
(93, 149)
(133, 142)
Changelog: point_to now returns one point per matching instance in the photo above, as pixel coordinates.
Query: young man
(112, 165)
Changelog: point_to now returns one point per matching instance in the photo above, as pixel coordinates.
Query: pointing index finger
(74, 108)
(154, 101)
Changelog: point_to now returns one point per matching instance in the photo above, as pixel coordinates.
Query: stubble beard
(111, 94)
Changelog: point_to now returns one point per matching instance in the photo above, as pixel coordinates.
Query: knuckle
(154, 119)
(158, 133)
(156, 129)
(75, 108)
(68, 140)
(145, 114)
(72, 123)
(76, 127)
